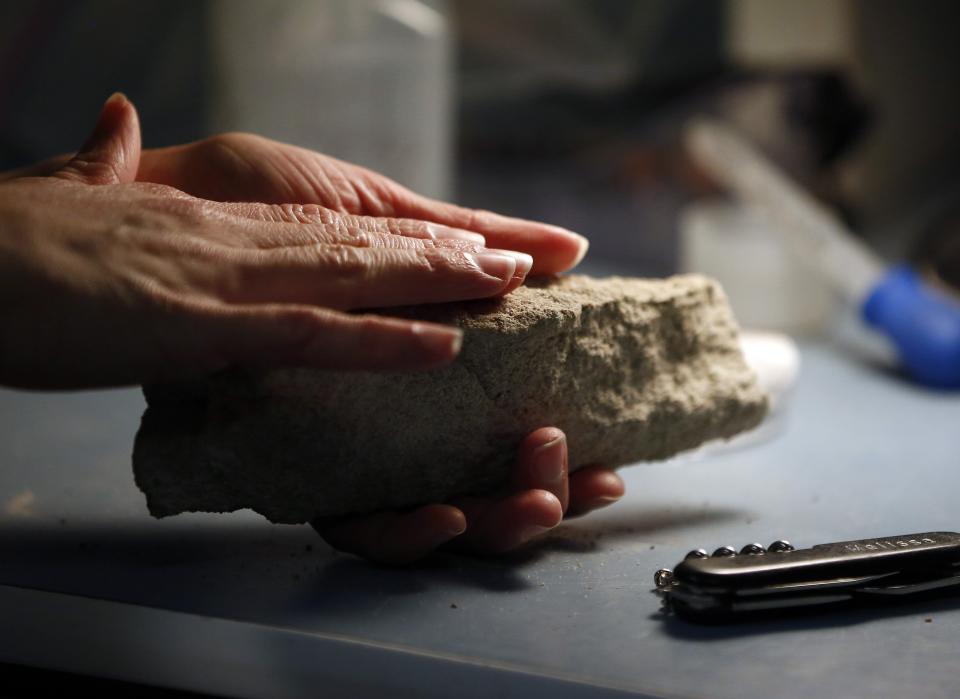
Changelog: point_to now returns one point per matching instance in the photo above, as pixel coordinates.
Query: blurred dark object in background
(363, 80)
(577, 118)
(825, 106)
(614, 167)
(59, 60)
(571, 112)
(938, 249)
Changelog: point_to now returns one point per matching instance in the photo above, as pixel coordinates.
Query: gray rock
(632, 370)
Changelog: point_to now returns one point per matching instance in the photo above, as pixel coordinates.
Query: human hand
(244, 167)
(541, 493)
(237, 167)
(104, 281)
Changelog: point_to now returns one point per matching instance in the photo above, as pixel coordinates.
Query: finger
(499, 525)
(347, 277)
(394, 538)
(112, 152)
(265, 232)
(554, 249)
(313, 225)
(542, 464)
(318, 225)
(322, 227)
(276, 335)
(315, 214)
(593, 487)
(350, 190)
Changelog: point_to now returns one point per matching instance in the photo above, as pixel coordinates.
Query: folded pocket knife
(728, 584)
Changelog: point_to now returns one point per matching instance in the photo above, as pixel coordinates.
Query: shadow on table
(925, 608)
(215, 568)
(349, 584)
(862, 361)
(244, 568)
(625, 523)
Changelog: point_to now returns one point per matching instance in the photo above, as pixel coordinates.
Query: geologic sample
(631, 369)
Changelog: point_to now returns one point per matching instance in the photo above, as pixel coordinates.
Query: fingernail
(584, 246)
(116, 97)
(547, 463)
(455, 531)
(439, 537)
(441, 232)
(600, 501)
(607, 499)
(443, 342)
(531, 531)
(524, 261)
(496, 265)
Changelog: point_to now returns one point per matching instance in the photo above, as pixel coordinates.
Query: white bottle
(367, 81)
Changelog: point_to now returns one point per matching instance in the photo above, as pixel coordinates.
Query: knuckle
(343, 230)
(152, 189)
(470, 219)
(300, 213)
(161, 205)
(345, 262)
(379, 338)
(347, 272)
(407, 227)
(363, 239)
(96, 171)
(349, 222)
(288, 213)
(464, 246)
(270, 213)
(318, 214)
(226, 150)
(370, 325)
(188, 247)
(164, 300)
(301, 333)
(180, 261)
(226, 142)
(434, 261)
(393, 226)
(299, 327)
(210, 271)
(449, 261)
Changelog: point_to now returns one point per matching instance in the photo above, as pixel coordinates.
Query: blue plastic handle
(922, 322)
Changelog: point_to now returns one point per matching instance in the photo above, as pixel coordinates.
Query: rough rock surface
(632, 370)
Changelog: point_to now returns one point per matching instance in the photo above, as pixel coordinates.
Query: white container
(768, 288)
(367, 81)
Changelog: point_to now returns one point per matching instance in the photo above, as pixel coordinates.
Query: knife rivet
(663, 578)
(753, 550)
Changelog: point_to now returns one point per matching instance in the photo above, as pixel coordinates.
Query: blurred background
(571, 112)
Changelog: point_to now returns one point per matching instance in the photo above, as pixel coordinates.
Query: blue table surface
(860, 454)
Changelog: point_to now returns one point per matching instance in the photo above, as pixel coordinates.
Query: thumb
(111, 154)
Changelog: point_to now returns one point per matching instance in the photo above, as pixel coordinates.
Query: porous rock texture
(631, 369)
